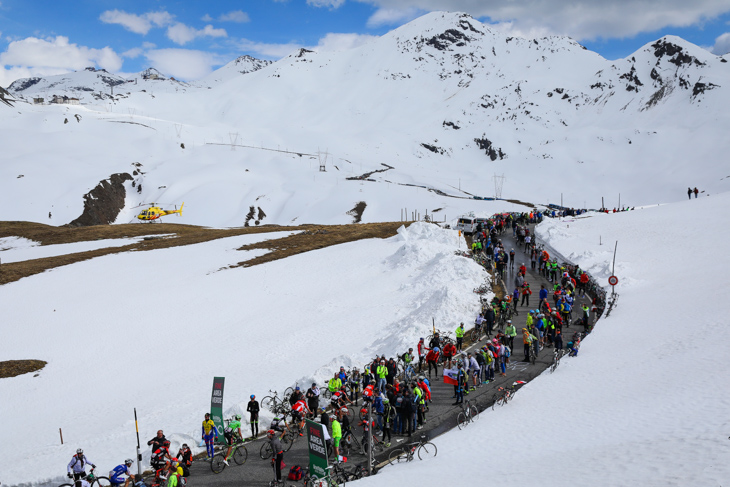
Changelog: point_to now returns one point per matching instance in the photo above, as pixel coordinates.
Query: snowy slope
(645, 401)
(151, 329)
(439, 106)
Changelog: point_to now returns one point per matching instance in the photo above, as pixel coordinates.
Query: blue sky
(189, 39)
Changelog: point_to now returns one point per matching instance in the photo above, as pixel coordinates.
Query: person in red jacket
(432, 359)
(449, 352)
(526, 293)
(583, 283)
(522, 270)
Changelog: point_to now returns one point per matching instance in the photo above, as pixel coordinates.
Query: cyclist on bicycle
(162, 456)
(232, 434)
(116, 476)
(77, 466)
(298, 411)
(339, 399)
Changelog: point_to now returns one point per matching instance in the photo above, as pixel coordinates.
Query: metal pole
(613, 268)
(60, 433)
(139, 454)
(370, 438)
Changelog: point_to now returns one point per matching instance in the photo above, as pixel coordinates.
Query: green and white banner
(317, 450)
(216, 406)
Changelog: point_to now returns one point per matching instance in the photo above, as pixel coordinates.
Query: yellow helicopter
(154, 212)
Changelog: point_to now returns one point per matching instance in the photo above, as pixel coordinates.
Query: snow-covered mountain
(432, 111)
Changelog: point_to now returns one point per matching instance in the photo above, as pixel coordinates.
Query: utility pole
(139, 454)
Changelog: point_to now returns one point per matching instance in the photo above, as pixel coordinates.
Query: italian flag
(450, 376)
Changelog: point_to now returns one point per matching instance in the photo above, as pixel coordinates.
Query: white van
(467, 224)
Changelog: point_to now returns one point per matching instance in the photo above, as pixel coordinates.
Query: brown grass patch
(311, 237)
(11, 368)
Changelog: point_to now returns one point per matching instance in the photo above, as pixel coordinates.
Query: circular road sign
(613, 280)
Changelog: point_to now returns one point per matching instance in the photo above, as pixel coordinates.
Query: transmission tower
(498, 183)
(322, 160)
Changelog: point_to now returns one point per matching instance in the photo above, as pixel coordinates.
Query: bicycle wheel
(474, 336)
(397, 456)
(266, 452)
(101, 482)
(473, 412)
(378, 446)
(287, 441)
(268, 403)
(217, 465)
(462, 420)
(240, 455)
(533, 358)
(427, 450)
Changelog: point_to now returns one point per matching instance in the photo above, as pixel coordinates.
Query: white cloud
(389, 16)
(206, 18)
(57, 54)
(183, 64)
(133, 53)
(235, 16)
(342, 42)
(182, 34)
(333, 4)
(261, 49)
(580, 19)
(722, 44)
(139, 24)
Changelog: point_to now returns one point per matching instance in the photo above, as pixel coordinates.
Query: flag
(450, 376)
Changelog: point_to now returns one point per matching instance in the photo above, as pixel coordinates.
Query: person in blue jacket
(117, 476)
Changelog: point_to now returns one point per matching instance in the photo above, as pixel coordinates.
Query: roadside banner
(450, 376)
(317, 450)
(216, 406)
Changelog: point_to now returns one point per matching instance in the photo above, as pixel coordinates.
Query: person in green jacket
(336, 436)
(459, 337)
(420, 405)
(511, 333)
(381, 373)
(334, 384)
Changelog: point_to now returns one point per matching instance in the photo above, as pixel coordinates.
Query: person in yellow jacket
(527, 339)
(174, 474)
(459, 337)
(336, 436)
(381, 373)
(334, 384)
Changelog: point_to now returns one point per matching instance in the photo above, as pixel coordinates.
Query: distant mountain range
(429, 116)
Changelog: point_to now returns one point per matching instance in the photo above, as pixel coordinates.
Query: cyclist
(77, 466)
(116, 476)
(232, 434)
(381, 373)
(174, 474)
(354, 381)
(510, 332)
(432, 359)
(459, 337)
(449, 352)
(342, 374)
(278, 453)
(334, 384)
(435, 341)
(297, 411)
(253, 409)
(344, 423)
(312, 396)
(421, 354)
(336, 435)
(296, 395)
(210, 433)
(161, 457)
(339, 399)
(527, 339)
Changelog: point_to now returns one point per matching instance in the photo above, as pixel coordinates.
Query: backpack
(295, 473)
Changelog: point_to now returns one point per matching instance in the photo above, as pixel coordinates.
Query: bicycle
(504, 394)
(272, 403)
(532, 354)
(287, 440)
(335, 476)
(277, 483)
(469, 413)
(476, 333)
(424, 449)
(93, 480)
(557, 355)
(239, 455)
